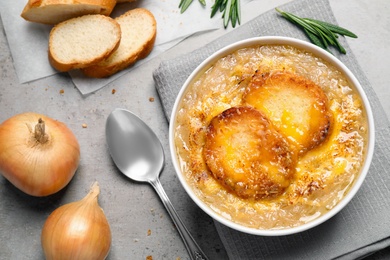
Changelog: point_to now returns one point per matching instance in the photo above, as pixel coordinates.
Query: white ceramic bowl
(319, 53)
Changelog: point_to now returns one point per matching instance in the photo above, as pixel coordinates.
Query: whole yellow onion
(78, 230)
(38, 154)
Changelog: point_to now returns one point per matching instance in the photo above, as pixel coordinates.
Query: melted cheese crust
(297, 106)
(247, 155)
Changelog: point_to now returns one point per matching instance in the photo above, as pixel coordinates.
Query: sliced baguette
(56, 11)
(83, 41)
(138, 27)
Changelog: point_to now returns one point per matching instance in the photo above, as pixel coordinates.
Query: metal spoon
(138, 154)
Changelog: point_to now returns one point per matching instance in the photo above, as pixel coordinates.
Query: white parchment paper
(29, 41)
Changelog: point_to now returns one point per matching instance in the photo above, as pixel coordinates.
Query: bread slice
(247, 154)
(138, 27)
(83, 41)
(56, 11)
(297, 106)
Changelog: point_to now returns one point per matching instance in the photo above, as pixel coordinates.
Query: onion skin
(78, 230)
(38, 169)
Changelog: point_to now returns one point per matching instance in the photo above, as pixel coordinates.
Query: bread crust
(56, 11)
(113, 64)
(77, 61)
(247, 155)
(297, 106)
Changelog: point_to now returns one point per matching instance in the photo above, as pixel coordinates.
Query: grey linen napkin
(360, 229)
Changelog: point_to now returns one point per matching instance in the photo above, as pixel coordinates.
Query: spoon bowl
(134, 147)
(138, 154)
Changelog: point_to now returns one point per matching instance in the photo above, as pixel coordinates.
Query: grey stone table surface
(140, 225)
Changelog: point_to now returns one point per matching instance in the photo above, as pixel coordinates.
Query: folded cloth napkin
(360, 229)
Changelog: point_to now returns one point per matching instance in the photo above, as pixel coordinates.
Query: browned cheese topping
(247, 154)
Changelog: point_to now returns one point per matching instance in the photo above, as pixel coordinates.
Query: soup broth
(323, 175)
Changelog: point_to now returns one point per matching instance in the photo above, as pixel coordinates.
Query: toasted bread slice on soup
(246, 153)
(83, 41)
(56, 11)
(297, 106)
(138, 27)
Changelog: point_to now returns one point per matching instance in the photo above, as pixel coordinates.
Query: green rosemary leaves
(231, 10)
(320, 33)
(184, 4)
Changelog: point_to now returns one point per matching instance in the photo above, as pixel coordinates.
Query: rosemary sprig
(231, 10)
(184, 4)
(320, 33)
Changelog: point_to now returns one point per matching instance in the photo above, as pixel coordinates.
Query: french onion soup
(271, 136)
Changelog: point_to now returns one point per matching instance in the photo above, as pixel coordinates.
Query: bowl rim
(317, 51)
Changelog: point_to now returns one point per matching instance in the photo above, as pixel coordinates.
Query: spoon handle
(192, 247)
